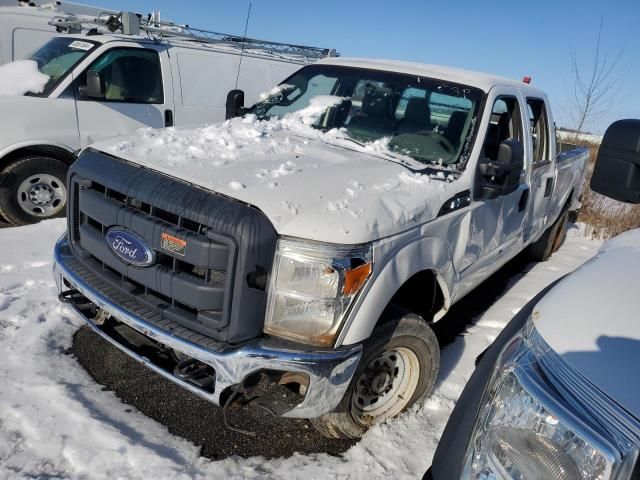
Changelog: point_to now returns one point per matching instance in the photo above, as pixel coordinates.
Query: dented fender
(395, 263)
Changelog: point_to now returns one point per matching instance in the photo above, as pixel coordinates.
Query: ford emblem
(129, 247)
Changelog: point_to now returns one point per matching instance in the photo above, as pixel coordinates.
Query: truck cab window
(131, 75)
(427, 119)
(538, 130)
(294, 94)
(505, 124)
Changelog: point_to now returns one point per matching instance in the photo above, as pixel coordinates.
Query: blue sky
(513, 38)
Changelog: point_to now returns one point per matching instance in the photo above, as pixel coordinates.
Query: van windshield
(58, 56)
(429, 120)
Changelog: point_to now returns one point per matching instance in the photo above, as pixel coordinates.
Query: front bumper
(329, 370)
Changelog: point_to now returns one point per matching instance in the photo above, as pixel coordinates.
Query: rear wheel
(551, 240)
(33, 189)
(399, 366)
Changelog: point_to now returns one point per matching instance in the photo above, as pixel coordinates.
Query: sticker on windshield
(81, 45)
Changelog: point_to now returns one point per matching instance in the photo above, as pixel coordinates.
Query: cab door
(135, 91)
(500, 192)
(543, 170)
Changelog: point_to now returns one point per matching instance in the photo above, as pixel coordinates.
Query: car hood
(312, 185)
(591, 319)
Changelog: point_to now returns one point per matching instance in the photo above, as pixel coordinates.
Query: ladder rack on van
(129, 23)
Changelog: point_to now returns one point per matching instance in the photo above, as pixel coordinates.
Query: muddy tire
(32, 189)
(551, 240)
(399, 366)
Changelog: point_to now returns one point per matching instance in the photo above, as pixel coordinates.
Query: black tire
(18, 172)
(399, 329)
(551, 240)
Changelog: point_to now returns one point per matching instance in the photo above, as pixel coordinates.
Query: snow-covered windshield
(58, 56)
(429, 120)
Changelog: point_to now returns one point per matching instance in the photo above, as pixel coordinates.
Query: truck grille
(193, 286)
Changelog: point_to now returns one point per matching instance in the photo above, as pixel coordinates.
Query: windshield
(58, 56)
(429, 120)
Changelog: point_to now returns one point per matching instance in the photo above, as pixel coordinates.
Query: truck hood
(312, 185)
(591, 318)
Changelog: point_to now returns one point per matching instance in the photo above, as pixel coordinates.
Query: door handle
(168, 118)
(548, 188)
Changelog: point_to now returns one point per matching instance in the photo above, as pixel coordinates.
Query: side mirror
(235, 104)
(617, 170)
(93, 88)
(502, 176)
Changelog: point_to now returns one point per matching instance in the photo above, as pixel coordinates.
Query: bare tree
(595, 87)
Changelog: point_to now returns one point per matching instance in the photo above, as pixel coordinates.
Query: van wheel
(33, 189)
(399, 366)
(551, 240)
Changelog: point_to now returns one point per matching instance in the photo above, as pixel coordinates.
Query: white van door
(136, 92)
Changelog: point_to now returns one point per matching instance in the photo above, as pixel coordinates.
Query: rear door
(543, 168)
(137, 92)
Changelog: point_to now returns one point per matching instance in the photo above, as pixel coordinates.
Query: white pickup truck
(296, 256)
(557, 395)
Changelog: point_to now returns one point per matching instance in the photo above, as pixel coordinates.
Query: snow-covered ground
(56, 422)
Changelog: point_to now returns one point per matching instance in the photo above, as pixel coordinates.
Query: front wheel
(399, 366)
(33, 189)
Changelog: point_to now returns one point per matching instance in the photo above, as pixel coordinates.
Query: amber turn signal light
(355, 278)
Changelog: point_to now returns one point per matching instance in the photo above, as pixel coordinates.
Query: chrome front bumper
(329, 371)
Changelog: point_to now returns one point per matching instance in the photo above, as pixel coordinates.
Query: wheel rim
(386, 386)
(42, 195)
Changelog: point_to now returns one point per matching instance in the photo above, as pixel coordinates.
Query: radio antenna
(246, 27)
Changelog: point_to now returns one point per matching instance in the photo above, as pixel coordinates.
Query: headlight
(312, 288)
(526, 429)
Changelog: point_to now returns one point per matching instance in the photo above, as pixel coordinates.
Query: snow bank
(20, 77)
(56, 422)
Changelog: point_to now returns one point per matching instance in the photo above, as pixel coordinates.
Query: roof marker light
(526, 80)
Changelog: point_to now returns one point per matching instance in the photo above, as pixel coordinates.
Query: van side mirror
(235, 104)
(617, 170)
(502, 176)
(93, 88)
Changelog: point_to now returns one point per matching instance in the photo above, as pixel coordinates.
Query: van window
(58, 57)
(538, 130)
(131, 75)
(505, 124)
(26, 40)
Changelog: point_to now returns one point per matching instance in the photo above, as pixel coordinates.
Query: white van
(104, 85)
(23, 29)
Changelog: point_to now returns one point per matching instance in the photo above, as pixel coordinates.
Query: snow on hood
(591, 319)
(20, 77)
(313, 185)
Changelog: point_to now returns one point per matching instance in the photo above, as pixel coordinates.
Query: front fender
(398, 266)
(40, 143)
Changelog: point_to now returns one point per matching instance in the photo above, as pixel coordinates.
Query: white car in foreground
(557, 396)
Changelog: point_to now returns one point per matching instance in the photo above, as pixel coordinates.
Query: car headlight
(529, 429)
(312, 287)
